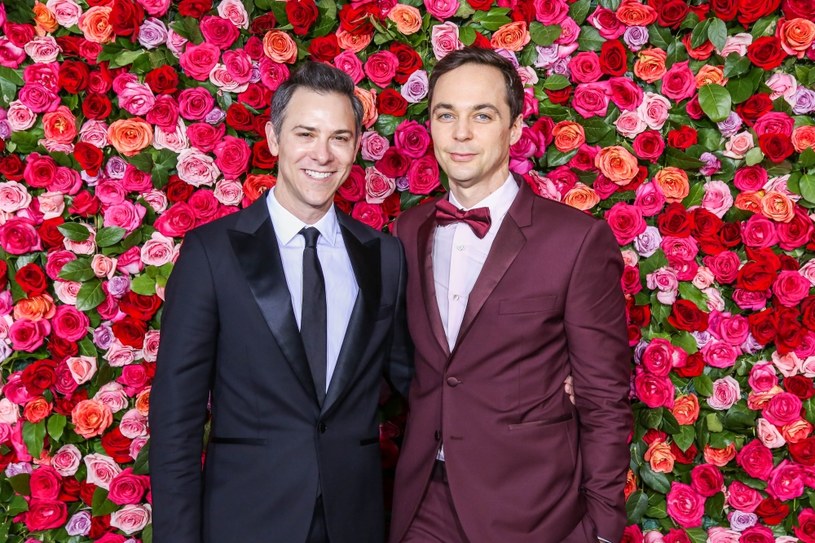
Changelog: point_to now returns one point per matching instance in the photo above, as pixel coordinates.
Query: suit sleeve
(400, 360)
(178, 399)
(600, 361)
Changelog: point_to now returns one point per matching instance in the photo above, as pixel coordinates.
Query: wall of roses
(687, 125)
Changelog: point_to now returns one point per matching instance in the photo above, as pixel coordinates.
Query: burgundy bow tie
(478, 219)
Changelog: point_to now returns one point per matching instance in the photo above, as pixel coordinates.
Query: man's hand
(568, 387)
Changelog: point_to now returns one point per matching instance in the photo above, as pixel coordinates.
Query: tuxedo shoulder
(413, 217)
(564, 213)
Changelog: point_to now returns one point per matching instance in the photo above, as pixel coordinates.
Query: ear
(516, 129)
(271, 139)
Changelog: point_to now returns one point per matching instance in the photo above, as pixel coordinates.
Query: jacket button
(322, 427)
(453, 381)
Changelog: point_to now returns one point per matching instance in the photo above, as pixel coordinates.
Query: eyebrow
(476, 107)
(314, 129)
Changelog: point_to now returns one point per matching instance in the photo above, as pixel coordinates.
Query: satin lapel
(505, 248)
(424, 240)
(255, 247)
(366, 262)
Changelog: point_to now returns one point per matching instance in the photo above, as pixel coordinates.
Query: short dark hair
(320, 78)
(484, 57)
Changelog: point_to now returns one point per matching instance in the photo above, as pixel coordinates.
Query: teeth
(317, 175)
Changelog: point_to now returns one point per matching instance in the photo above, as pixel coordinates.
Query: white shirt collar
(498, 202)
(287, 226)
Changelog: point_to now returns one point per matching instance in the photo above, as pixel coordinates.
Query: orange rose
(35, 308)
(407, 18)
(749, 200)
(142, 403)
(660, 457)
(129, 136)
(803, 137)
(617, 164)
(719, 457)
(257, 184)
(36, 410)
(353, 42)
(710, 75)
(91, 418)
(777, 206)
(568, 136)
(280, 47)
(757, 401)
(632, 13)
(581, 197)
(60, 125)
(511, 36)
(796, 35)
(630, 483)
(796, 431)
(368, 99)
(45, 18)
(673, 182)
(95, 24)
(650, 65)
(686, 409)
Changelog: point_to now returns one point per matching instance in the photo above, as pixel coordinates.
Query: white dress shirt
(459, 255)
(340, 282)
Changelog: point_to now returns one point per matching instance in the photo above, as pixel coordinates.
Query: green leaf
(126, 58)
(595, 129)
(636, 505)
(90, 295)
(682, 160)
(142, 161)
(652, 418)
(669, 423)
(87, 348)
(713, 423)
(659, 312)
(715, 102)
(653, 263)
(590, 39)
(142, 465)
(807, 158)
(493, 19)
(697, 535)
(754, 156)
(684, 439)
(101, 505)
(762, 27)
(20, 11)
(655, 480)
(11, 76)
(807, 186)
(56, 425)
(579, 11)
(17, 506)
(327, 19)
(74, 231)
(695, 194)
(691, 293)
(467, 35)
(703, 385)
(556, 82)
(33, 436)
(143, 284)
(147, 534)
(109, 235)
(20, 483)
(660, 37)
(555, 158)
(612, 5)
(658, 509)
(735, 65)
(77, 270)
(714, 506)
(699, 34)
(740, 418)
(386, 124)
(686, 341)
(544, 35)
(717, 33)
(744, 87)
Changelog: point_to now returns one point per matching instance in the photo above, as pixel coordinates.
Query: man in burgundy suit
(508, 294)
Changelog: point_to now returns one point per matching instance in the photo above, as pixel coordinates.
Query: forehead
(329, 111)
(470, 85)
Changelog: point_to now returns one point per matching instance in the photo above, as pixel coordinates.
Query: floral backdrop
(688, 126)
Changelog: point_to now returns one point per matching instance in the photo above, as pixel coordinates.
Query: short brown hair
(485, 57)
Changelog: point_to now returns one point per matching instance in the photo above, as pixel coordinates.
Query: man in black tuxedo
(284, 315)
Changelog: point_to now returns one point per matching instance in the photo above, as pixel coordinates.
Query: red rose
(238, 117)
(86, 492)
(89, 157)
(772, 511)
(301, 14)
(261, 156)
(31, 279)
(18, 34)
(766, 52)
(686, 316)
(808, 312)
(789, 333)
(675, 221)
(162, 80)
(49, 233)
(482, 42)
(726, 10)
(706, 226)
(694, 366)
(261, 25)
(671, 13)
(39, 376)
(177, 190)
(84, 204)
(756, 276)
(613, 60)
(559, 97)
(45, 514)
(409, 61)
(706, 479)
(762, 326)
(100, 531)
(390, 102)
(96, 106)
(682, 137)
(480, 5)
(370, 214)
(800, 386)
(73, 76)
(139, 306)
(61, 349)
(684, 457)
(355, 19)
(45, 483)
(125, 18)
(70, 490)
(324, 48)
(3, 274)
(12, 167)
(255, 96)
(117, 446)
(754, 107)
(776, 147)
(353, 189)
(649, 145)
(803, 452)
(751, 11)
(130, 332)
(393, 164)
(194, 8)
(523, 11)
(804, 9)
(730, 234)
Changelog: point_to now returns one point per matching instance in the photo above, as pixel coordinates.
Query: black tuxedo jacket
(229, 336)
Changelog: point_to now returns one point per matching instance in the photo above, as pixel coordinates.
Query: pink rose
(11, 56)
(349, 63)
(235, 12)
(218, 31)
(790, 287)
(176, 221)
(626, 222)
(69, 323)
(194, 104)
(444, 39)
(204, 205)
(625, 94)
(66, 460)
(411, 139)
(101, 470)
(441, 9)
(726, 392)
(373, 146)
(370, 214)
(13, 197)
(783, 408)
(759, 232)
(551, 12)
(156, 8)
(27, 335)
(45, 483)
(769, 434)
(238, 65)
(679, 250)
(725, 266)
(377, 186)
(39, 170)
(82, 368)
(157, 251)
(164, 113)
(381, 68)
(585, 66)
(706, 479)
(720, 354)
(591, 99)
(134, 424)
(742, 497)
(136, 99)
(131, 518)
(204, 136)
(66, 181)
(606, 23)
(654, 110)
(20, 117)
(38, 98)
(678, 82)
(232, 157)
(786, 481)
(717, 198)
(774, 122)
(128, 488)
(795, 233)
(685, 506)
(717, 534)
(198, 60)
(649, 199)
(654, 391)
(273, 74)
(125, 215)
(151, 343)
(196, 168)
(659, 357)
(423, 175)
(738, 145)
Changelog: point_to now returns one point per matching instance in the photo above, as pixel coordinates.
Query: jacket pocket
(540, 422)
(533, 304)
(237, 440)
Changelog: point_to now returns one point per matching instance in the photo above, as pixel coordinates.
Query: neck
(470, 194)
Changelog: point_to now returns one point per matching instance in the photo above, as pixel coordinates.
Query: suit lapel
(505, 248)
(424, 240)
(364, 253)
(256, 249)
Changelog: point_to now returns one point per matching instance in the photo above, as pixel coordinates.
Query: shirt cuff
(602, 539)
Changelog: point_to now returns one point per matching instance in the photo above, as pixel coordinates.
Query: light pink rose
(132, 518)
(95, 133)
(20, 117)
(781, 84)
(718, 198)
(629, 124)
(157, 251)
(43, 49)
(737, 44)
(82, 368)
(120, 355)
(101, 469)
(125, 215)
(591, 99)
(9, 412)
(112, 395)
(726, 392)
(133, 424)
(66, 460)
(151, 343)
(374, 145)
(788, 364)
(769, 434)
(654, 110)
(377, 186)
(444, 39)
(67, 291)
(51, 204)
(86, 247)
(235, 12)
(66, 12)
(738, 145)
(13, 197)
(229, 192)
(225, 81)
(197, 169)
(718, 534)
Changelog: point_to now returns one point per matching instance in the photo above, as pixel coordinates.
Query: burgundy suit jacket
(523, 463)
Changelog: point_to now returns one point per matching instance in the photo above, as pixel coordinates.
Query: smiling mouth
(317, 175)
(462, 156)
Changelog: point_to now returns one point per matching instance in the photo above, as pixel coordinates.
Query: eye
(342, 139)
(444, 116)
(304, 135)
(483, 116)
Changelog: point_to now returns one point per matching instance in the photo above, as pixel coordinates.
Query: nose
(321, 151)
(462, 130)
